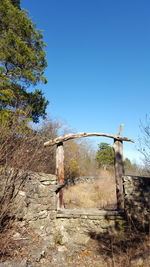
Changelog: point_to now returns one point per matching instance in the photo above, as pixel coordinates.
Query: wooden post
(119, 165)
(60, 172)
(119, 170)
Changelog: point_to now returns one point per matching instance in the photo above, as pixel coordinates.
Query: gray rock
(22, 263)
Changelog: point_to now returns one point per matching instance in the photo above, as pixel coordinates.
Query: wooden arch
(119, 165)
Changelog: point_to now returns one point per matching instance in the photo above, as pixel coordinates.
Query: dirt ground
(23, 248)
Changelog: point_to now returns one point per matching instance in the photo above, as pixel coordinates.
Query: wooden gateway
(118, 162)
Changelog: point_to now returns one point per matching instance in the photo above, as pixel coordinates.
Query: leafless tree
(144, 142)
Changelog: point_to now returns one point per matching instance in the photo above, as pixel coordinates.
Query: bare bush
(128, 248)
(22, 151)
(11, 181)
(26, 150)
(144, 143)
(79, 159)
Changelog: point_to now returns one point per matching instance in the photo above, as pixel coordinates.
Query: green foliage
(105, 155)
(33, 104)
(22, 56)
(22, 63)
(105, 158)
(16, 3)
(58, 239)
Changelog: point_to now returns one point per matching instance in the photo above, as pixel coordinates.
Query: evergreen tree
(105, 155)
(16, 3)
(22, 63)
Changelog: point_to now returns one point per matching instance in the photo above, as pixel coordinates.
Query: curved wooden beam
(80, 135)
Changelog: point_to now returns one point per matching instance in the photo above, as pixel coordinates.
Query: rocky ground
(22, 248)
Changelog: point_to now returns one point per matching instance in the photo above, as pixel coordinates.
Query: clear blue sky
(98, 54)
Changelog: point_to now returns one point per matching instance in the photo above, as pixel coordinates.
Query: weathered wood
(60, 172)
(119, 164)
(120, 129)
(80, 135)
(59, 187)
(119, 171)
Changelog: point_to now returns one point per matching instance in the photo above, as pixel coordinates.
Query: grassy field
(100, 194)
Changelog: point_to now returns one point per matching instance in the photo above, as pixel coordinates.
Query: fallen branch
(80, 135)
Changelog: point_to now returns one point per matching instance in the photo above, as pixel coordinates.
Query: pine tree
(22, 63)
(105, 155)
(16, 3)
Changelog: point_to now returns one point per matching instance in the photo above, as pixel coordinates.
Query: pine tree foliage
(16, 3)
(105, 155)
(22, 63)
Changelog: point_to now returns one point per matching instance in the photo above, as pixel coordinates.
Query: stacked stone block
(137, 200)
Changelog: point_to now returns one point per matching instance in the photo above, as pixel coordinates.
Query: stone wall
(33, 193)
(137, 200)
(78, 226)
(80, 179)
(61, 226)
(36, 206)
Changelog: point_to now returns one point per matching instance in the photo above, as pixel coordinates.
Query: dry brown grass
(17, 242)
(124, 249)
(101, 194)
